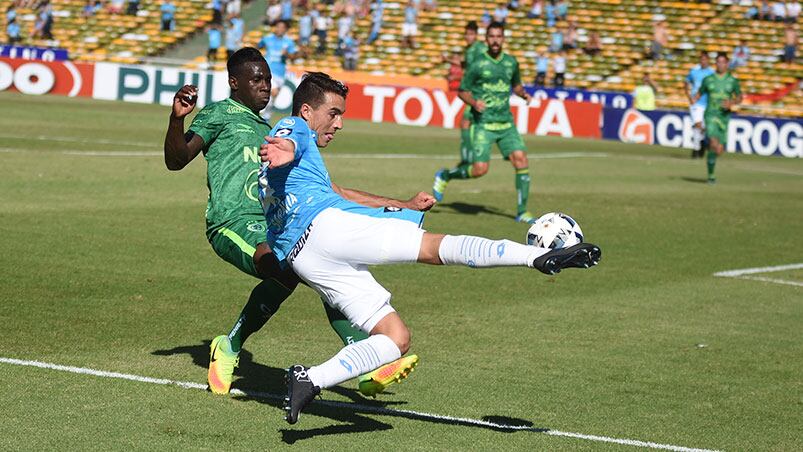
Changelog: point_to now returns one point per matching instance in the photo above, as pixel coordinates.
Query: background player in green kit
(724, 93)
(486, 87)
(473, 50)
(229, 133)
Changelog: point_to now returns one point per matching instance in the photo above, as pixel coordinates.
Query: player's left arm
(736, 97)
(421, 201)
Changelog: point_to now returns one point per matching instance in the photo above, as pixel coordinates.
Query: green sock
(465, 141)
(263, 302)
(348, 333)
(461, 171)
(712, 162)
(522, 188)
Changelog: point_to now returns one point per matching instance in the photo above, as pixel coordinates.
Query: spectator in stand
(541, 67)
(234, 8)
(660, 39)
(559, 66)
(376, 21)
(215, 38)
(500, 13)
(594, 45)
(765, 10)
(536, 9)
(168, 10)
(410, 25)
(217, 11)
(11, 13)
(351, 52)
(133, 7)
(88, 10)
(305, 30)
(234, 34)
(551, 13)
(562, 9)
(321, 25)
(287, 10)
(513, 5)
(430, 5)
(344, 26)
(556, 44)
(790, 44)
(115, 6)
(741, 55)
(455, 73)
(644, 94)
(778, 13)
(273, 13)
(43, 27)
(13, 31)
(792, 12)
(485, 20)
(570, 36)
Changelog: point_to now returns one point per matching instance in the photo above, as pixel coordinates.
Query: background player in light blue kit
(697, 109)
(278, 49)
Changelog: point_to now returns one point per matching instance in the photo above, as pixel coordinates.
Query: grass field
(105, 266)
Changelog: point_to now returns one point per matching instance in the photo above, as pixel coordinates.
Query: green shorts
(716, 126)
(483, 136)
(236, 241)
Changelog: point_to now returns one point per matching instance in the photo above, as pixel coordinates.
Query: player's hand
(479, 106)
(277, 152)
(422, 201)
(184, 101)
(727, 105)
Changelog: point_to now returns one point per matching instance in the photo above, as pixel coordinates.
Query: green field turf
(105, 266)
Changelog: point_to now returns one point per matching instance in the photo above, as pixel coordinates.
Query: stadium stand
(625, 27)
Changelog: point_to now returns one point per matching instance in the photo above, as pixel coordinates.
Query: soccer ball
(554, 230)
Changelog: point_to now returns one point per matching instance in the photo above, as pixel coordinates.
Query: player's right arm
(287, 141)
(687, 89)
(180, 148)
(469, 79)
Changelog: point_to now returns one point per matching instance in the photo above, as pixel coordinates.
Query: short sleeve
(207, 124)
(469, 78)
(294, 129)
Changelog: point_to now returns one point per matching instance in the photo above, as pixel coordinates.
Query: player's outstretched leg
(375, 382)
(582, 255)
(300, 392)
(439, 185)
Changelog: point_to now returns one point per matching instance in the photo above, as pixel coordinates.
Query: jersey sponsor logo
(392, 209)
(243, 128)
(255, 226)
(232, 109)
(636, 128)
(282, 133)
(288, 122)
(299, 244)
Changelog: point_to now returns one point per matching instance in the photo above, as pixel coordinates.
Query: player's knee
(402, 340)
(519, 160)
(479, 169)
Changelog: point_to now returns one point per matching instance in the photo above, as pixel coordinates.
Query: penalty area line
(410, 414)
(747, 273)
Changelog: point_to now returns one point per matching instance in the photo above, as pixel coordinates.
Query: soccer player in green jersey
(474, 49)
(486, 87)
(229, 133)
(724, 94)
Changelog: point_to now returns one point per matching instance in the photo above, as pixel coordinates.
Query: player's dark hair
(472, 25)
(498, 25)
(285, 22)
(313, 88)
(724, 55)
(242, 57)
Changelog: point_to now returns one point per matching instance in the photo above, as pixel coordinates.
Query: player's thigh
(236, 243)
(697, 113)
(509, 141)
(716, 126)
(482, 140)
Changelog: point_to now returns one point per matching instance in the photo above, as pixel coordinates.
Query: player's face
(722, 64)
(494, 37)
(704, 60)
(471, 36)
(251, 87)
(280, 29)
(327, 119)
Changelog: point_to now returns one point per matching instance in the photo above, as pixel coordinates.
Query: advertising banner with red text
(434, 107)
(46, 77)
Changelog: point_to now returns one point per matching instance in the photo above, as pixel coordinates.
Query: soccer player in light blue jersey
(697, 109)
(329, 241)
(278, 49)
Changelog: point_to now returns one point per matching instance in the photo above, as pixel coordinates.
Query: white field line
(742, 274)
(351, 406)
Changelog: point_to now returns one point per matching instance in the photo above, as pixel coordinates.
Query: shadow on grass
(696, 180)
(474, 209)
(255, 378)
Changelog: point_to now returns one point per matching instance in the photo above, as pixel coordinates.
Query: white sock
(354, 360)
(481, 252)
(697, 137)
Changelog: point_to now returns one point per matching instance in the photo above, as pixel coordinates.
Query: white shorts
(697, 113)
(409, 29)
(276, 82)
(340, 246)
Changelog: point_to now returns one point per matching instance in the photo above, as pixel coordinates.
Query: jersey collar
(497, 61)
(245, 109)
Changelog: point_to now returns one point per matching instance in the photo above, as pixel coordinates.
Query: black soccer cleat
(300, 392)
(582, 255)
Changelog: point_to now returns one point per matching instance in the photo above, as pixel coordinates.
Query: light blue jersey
(695, 79)
(275, 48)
(293, 195)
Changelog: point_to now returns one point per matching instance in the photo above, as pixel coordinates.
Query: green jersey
(719, 88)
(232, 135)
(490, 81)
(473, 52)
